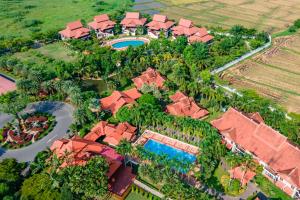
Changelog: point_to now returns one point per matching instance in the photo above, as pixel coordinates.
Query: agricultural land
(267, 15)
(274, 73)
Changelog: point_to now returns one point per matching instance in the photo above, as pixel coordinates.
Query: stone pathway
(148, 189)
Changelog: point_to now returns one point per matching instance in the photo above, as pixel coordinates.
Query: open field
(55, 51)
(23, 17)
(274, 73)
(268, 15)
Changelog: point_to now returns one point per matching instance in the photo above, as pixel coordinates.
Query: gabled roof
(149, 77)
(200, 36)
(75, 30)
(160, 22)
(118, 99)
(243, 175)
(265, 143)
(77, 151)
(113, 134)
(185, 106)
(102, 23)
(6, 85)
(133, 20)
(185, 27)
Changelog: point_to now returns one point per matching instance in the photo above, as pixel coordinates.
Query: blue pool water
(133, 43)
(170, 152)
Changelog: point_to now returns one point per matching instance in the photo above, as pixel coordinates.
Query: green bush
(292, 29)
(297, 23)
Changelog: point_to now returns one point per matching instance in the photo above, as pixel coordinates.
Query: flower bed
(26, 130)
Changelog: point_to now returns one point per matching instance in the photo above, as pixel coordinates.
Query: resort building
(103, 26)
(249, 134)
(118, 99)
(78, 151)
(113, 134)
(159, 25)
(185, 106)
(149, 77)
(185, 27)
(201, 36)
(131, 22)
(243, 175)
(6, 85)
(75, 30)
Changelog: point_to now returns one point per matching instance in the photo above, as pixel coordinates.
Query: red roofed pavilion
(185, 106)
(160, 23)
(77, 151)
(201, 36)
(243, 175)
(6, 85)
(149, 77)
(103, 26)
(131, 21)
(113, 134)
(74, 30)
(248, 133)
(118, 99)
(184, 28)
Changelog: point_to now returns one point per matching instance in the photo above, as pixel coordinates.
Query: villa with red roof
(6, 85)
(131, 22)
(201, 36)
(74, 30)
(159, 24)
(185, 27)
(149, 77)
(77, 151)
(185, 106)
(118, 99)
(248, 133)
(102, 25)
(113, 133)
(243, 175)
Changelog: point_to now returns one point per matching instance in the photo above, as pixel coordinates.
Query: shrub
(32, 22)
(297, 23)
(292, 29)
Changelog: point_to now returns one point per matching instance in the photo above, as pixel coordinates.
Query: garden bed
(26, 130)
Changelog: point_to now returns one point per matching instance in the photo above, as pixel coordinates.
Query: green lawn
(135, 196)
(22, 17)
(56, 51)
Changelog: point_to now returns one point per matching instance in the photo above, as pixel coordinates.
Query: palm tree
(125, 149)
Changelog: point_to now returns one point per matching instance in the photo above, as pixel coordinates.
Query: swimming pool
(127, 43)
(171, 152)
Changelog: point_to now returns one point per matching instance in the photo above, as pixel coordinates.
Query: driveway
(63, 115)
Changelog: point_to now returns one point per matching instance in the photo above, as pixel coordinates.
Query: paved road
(4, 118)
(63, 115)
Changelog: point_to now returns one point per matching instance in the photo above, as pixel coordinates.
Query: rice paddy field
(274, 73)
(23, 17)
(268, 15)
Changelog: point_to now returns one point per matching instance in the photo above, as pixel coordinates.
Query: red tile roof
(133, 20)
(118, 99)
(185, 106)
(242, 174)
(102, 23)
(262, 141)
(200, 36)
(78, 151)
(6, 85)
(113, 134)
(185, 27)
(160, 22)
(149, 77)
(75, 30)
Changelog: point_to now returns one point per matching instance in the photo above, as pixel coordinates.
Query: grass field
(135, 196)
(274, 73)
(268, 15)
(56, 51)
(22, 17)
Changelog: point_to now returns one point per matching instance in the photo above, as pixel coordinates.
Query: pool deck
(111, 42)
(147, 135)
